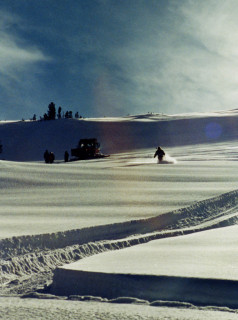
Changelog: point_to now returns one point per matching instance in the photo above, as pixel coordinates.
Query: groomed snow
(195, 255)
(36, 309)
(52, 215)
(196, 268)
(39, 198)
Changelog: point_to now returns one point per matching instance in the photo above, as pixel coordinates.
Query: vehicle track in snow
(28, 261)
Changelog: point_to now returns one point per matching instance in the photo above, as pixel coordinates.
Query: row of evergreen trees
(52, 115)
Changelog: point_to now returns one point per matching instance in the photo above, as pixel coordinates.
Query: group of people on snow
(49, 156)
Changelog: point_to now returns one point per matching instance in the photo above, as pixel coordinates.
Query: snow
(77, 310)
(38, 197)
(124, 214)
(193, 255)
(27, 140)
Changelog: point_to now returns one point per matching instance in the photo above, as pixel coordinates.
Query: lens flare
(213, 130)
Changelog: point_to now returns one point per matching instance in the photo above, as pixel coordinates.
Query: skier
(159, 153)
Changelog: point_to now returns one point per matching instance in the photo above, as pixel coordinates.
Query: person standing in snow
(51, 157)
(159, 153)
(66, 156)
(47, 156)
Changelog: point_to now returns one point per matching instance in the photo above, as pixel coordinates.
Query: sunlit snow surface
(194, 255)
(36, 198)
(39, 200)
(14, 308)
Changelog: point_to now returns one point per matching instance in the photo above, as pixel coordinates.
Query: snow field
(53, 215)
(193, 255)
(42, 309)
(45, 199)
(198, 268)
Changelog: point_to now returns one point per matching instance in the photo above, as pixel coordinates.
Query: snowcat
(87, 149)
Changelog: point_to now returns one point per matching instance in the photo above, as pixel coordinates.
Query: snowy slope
(194, 255)
(37, 198)
(27, 140)
(196, 268)
(52, 215)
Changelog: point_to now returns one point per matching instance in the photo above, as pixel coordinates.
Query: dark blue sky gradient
(116, 57)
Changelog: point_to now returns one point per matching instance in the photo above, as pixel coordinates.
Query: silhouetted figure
(159, 153)
(51, 157)
(66, 156)
(47, 156)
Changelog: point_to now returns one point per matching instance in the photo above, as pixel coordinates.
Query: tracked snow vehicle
(87, 149)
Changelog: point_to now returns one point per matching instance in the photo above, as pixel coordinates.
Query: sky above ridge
(117, 57)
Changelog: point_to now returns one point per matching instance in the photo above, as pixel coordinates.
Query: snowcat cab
(87, 149)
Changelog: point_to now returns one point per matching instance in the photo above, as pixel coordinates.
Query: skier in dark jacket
(159, 153)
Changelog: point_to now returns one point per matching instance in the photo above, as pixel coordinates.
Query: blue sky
(118, 57)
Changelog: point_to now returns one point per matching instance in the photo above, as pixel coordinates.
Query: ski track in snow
(27, 262)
